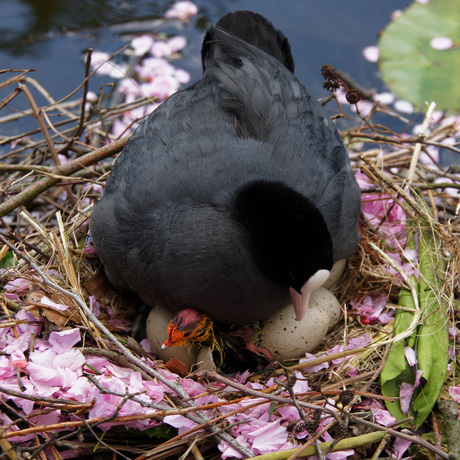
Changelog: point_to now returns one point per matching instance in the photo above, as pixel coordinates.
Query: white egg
(288, 338)
(157, 333)
(205, 360)
(336, 274)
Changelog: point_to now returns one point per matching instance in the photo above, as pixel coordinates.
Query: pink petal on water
(177, 43)
(371, 53)
(403, 106)
(142, 44)
(441, 43)
(182, 10)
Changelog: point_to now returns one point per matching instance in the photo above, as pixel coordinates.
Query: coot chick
(233, 348)
(234, 196)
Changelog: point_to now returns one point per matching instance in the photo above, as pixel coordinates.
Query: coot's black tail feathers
(256, 30)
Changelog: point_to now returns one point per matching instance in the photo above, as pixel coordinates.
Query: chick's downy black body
(234, 192)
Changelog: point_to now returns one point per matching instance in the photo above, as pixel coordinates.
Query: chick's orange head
(188, 325)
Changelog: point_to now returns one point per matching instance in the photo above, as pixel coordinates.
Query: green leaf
(161, 432)
(411, 67)
(431, 338)
(433, 335)
(7, 260)
(396, 369)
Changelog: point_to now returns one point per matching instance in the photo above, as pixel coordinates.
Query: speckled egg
(157, 333)
(288, 338)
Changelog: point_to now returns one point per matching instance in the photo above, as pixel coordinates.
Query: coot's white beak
(300, 300)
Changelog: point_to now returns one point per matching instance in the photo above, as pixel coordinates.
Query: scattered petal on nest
(180, 422)
(410, 356)
(357, 342)
(382, 416)
(51, 303)
(400, 446)
(268, 438)
(313, 369)
(370, 308)
(63, 341)
(17, 285)
(406, 392)
(301, 384)
(363, 181)
(455, 393)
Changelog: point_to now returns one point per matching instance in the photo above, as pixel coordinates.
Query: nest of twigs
(50, 179)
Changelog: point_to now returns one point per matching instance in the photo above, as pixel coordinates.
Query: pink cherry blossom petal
(17, 285)
(10, 296)
(406, 391)
(64, 340)
(99, 58)
(180, 422)
(403, 106)
(19, 345)
(268, 438)
(410, 356)
(301, 384)
(400, 446)
(385, 98)
(58, 306)
(142, 44)
(230, 452)
(177, 43)
(441, 43)
(455, 393)
(383, 417)
(182, 10)
(357, 342)
(313, 369)
(363, 181)
(371, 53)
(95, 306)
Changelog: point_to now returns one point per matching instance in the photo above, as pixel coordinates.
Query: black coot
(237, 193)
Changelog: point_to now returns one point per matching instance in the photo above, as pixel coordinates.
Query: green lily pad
(411, 67)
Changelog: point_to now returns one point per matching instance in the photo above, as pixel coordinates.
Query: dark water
(51, 36)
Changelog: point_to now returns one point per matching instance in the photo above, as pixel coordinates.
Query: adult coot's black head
(289, 239)
(236, 194)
